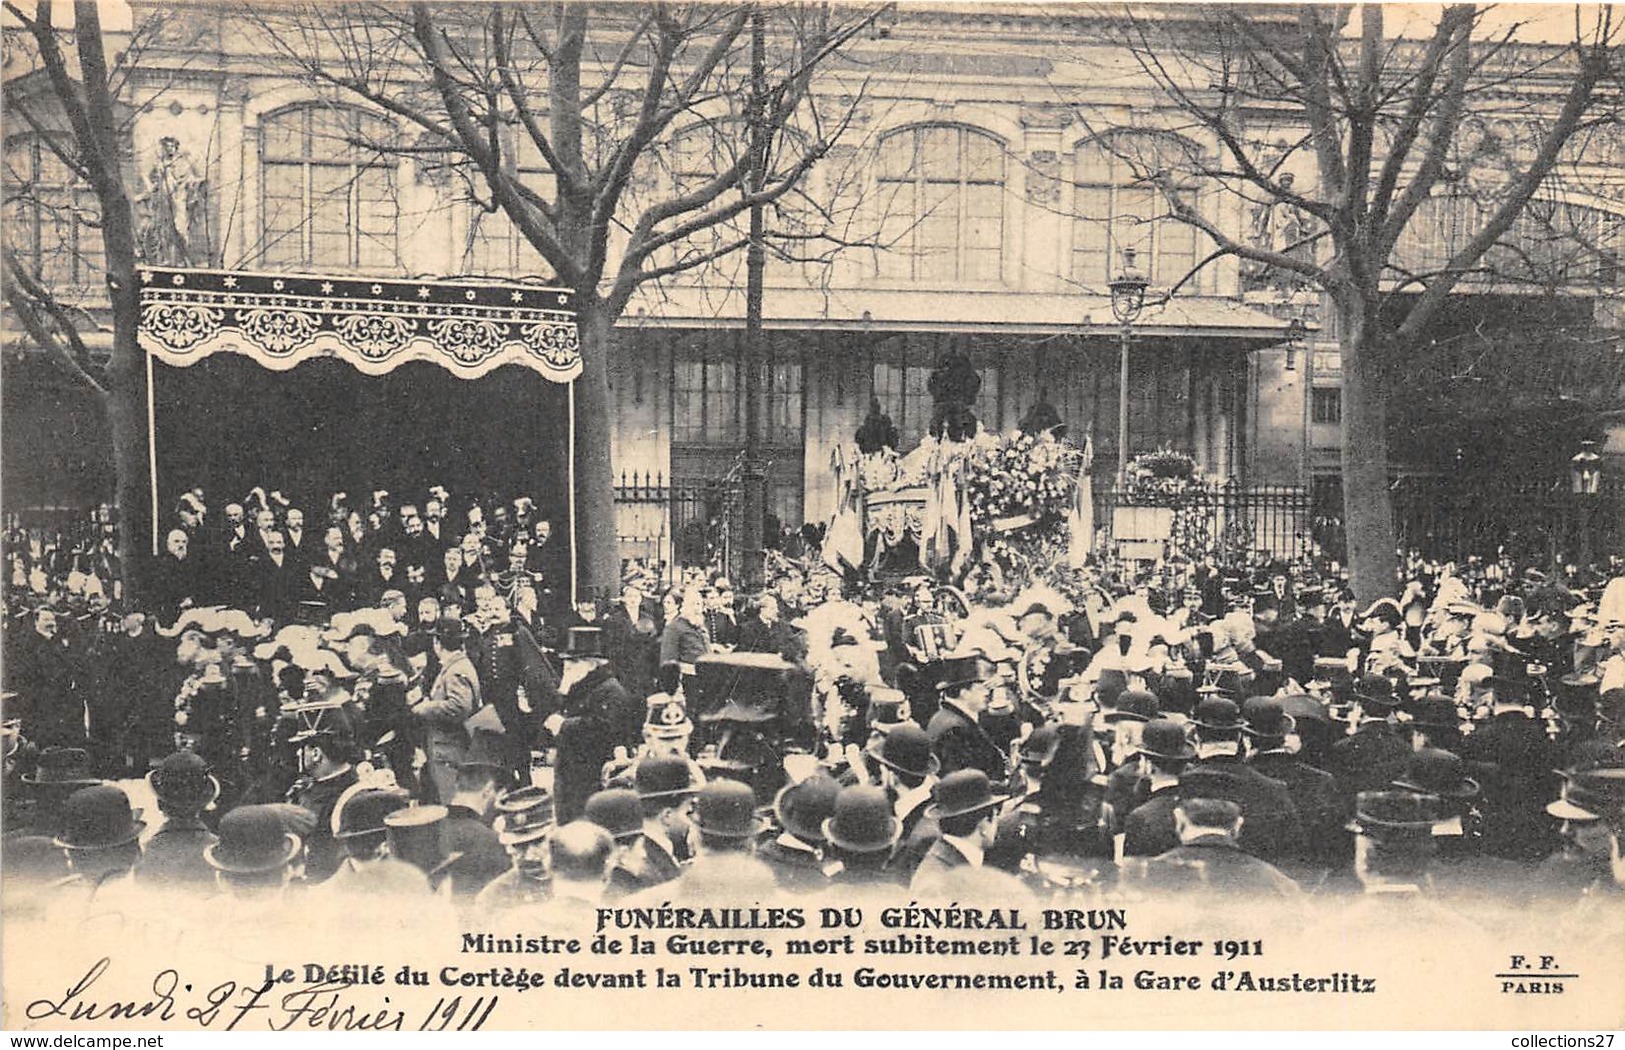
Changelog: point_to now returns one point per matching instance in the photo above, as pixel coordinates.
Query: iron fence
(1534, 522)
(1226, 519)
(668, 524)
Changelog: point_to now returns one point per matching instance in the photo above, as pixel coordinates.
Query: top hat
(1590, 795)
(1041, 745)
(584, 641)
(862, 821)
(727, 809)
(666, 717)
(887, 708)
(524, 815)
(802, 808)
(907, 750)
(1398, 818)
(1218, 713)
(62, 767)
(252, 839)
(1435, 712)
(184, 781)
(99, 817)
(1374, 690)
(963, 792)
(362, 812)
(1165, 738)
(1266, 717)
(1433, 771)
(617, 811)
(959, 670)
(665, 776)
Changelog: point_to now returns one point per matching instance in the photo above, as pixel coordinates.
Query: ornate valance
(467, 327)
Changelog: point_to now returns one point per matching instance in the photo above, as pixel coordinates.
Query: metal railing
(669, 524)
(1225, 519)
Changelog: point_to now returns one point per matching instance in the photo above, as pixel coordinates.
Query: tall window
(329, 200)
(1113, 210)
(942, 205)
(495, 246)
(781, 424)
(52, 220)
(904, 392)
(705, 402)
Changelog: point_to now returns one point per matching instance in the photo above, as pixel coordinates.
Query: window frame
(918, 181)
(63, 200)
(307, 161)
(1151, 263)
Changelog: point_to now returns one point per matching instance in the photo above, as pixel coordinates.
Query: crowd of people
(406, 701)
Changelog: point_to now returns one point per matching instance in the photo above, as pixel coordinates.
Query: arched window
(329, 199)
(52, 219)
(495, 246)
(1115, 208)
(942, 205)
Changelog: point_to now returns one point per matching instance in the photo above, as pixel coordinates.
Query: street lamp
(1128, 299)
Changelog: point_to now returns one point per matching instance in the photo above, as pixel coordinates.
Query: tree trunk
(1367, 503)
(598, 563)
(126, 408)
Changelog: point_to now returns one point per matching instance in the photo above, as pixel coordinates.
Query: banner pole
(152, 452)
(571, 469)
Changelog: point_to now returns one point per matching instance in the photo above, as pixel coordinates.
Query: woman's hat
(863, 821)
(963, 792)
(802, 808)
(1434, 771)
(253, 839)
(99, 817)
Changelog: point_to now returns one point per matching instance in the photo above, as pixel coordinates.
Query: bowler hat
(1398, 818)
(183, 780)
(62, 767)
(1374, 690)
(665, 776)
(523, 815)
(1218, 713)
(802, 808)
(1266, 717)
(863, 821)
(252, 839)
(962, 792)
(727, 809)
(1134, 705)
(1165, 738)
(99, 817)
(1434, 771)
(1435, 712)
(1041, 745)
(907, 750)
(363, 812)
(617, 811)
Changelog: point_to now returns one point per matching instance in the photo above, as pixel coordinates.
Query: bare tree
(77, 116)
(594, 97)
(1340, 139)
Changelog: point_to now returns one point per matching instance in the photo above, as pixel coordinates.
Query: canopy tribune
(467, 327)
(319, 384)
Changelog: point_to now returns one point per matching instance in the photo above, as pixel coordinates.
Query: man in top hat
(1517, 759)
(1209, 831)
(101, 837)
(1268, 730)
(860, 835)
(58, 773)
(597, 715)
(1374, 753)
(184, 788)
(1165, 752)
(474, 852)
(957, 737)
(453, 698)
(725, 868)
(795, 849)
(666, 784)
(1272, 830)
(368, 869)
(620, 813)
(525, 817)
(966, 810)
(908, 773)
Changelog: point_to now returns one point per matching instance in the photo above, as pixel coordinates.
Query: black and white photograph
(841, 515)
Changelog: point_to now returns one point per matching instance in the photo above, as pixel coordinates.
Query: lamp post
(1585, 482)
(1128, 299)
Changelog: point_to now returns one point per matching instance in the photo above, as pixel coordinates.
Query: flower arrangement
(1160, 477)
(1019, 481)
